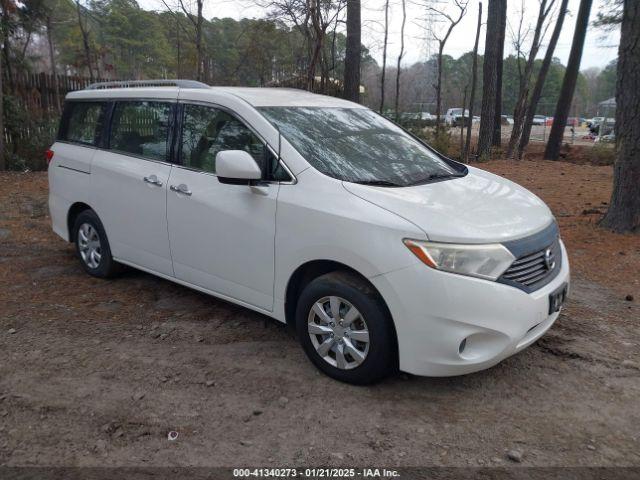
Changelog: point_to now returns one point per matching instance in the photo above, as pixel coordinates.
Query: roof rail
(147, 83)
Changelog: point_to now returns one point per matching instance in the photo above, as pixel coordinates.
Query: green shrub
(31, 134)
(440, 140)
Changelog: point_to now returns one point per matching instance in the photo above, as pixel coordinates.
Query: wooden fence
(38, 93)
(37, 96)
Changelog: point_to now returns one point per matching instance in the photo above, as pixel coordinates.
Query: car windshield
(357, 145)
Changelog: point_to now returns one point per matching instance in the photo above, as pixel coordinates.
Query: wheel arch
(311, 270)
(75, 210)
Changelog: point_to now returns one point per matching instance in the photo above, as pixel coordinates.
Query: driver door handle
(153, 180)
(182, 188)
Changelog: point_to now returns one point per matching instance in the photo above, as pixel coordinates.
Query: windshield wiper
(437, 176)
(377, 183)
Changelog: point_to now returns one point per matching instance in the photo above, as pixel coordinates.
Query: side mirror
(237, 167)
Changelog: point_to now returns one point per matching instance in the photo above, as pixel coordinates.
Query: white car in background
(381, 253)
(454, 117)
(593, 122)
(539, 120)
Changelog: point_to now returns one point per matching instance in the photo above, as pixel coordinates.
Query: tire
(87, 230)
(372, 360)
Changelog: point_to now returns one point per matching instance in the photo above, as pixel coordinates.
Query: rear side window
(141, 128)
(83, 122)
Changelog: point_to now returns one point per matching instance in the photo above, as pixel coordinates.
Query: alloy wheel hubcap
(89, 245)
(338, 332)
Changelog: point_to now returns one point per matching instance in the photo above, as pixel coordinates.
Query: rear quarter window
(82, 122)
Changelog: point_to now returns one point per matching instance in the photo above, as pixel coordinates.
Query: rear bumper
(58, 210)
(434, 312)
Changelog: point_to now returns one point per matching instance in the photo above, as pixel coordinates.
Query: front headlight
(487, 261)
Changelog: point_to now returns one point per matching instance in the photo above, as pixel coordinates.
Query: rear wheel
(92, 246)
(345, 330)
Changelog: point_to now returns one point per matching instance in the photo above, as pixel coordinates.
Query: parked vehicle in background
(409, 116)
(573, 122)
(378, 251)
(539, 120)
(602, 125)
(608, 138)
(506, 120)
(594, 121)
(415, 119)
(454, 117)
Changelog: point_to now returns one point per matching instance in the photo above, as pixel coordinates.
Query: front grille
(538, 260)
(531, 269)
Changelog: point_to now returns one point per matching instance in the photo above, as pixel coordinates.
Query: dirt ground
(95, 373)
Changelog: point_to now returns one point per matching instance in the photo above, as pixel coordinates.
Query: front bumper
(435, 311)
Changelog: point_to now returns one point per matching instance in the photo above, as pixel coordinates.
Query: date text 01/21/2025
(315, 473)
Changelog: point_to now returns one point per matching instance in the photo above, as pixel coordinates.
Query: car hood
(477, 208)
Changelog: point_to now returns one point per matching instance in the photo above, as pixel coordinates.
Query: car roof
(255, 96)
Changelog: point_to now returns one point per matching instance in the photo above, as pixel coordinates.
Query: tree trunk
(624, 211)
(496, 140)
(179, 56)
(353, 52)
(52, 60)
(489, 76)
(439, 88)
(199, 54)
(462, 6)
(85, 41)
(384, 54)
(542, 75)
(332, 67)
(400, 55)
(523, 93)
(23, 54)
(324, 71)
(474, 77)
(311, 74)
(3, 164)
(464, 106)
(552, 152)
(315, 14)
(6, 45)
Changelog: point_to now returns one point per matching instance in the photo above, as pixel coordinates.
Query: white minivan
(381, 253)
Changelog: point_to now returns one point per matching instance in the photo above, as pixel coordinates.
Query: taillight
(48, 155)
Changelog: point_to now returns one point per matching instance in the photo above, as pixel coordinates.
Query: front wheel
(345, 329)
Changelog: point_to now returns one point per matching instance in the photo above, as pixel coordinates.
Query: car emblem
(548, 260)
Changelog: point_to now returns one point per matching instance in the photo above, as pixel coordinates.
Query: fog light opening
(462, 346)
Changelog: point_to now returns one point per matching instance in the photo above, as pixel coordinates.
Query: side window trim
(180, 124)
(175, 129)
(64, 121)
(106, 133)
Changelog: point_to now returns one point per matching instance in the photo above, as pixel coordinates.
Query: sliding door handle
(182, 188)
